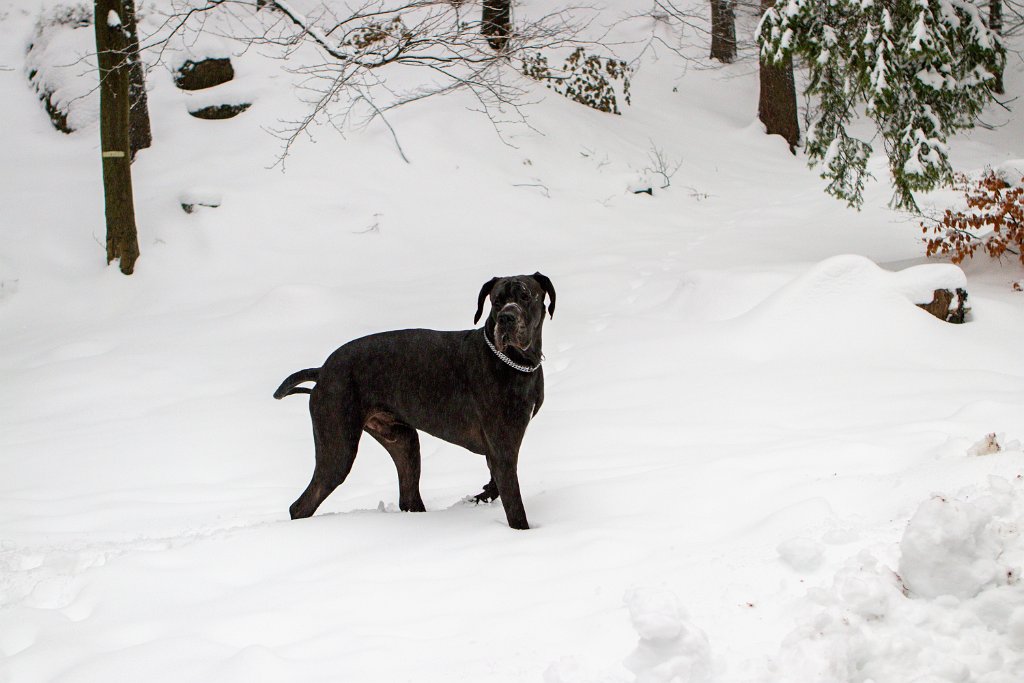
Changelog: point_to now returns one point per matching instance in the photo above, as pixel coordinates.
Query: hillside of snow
(757, 459)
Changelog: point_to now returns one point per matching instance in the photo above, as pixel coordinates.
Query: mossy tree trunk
(723, 31)
(496, 22)
(777, 103)
(140, 132)
(115, 102)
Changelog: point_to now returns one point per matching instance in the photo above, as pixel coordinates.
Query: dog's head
(517, 309)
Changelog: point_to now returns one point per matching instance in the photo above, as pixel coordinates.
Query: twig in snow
(373, 228)
(541, 186)
(662, 165)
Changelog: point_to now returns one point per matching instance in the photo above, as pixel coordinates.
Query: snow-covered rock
(671, 649)
(61, 65)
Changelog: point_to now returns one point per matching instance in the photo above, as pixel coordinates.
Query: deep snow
(752, 463)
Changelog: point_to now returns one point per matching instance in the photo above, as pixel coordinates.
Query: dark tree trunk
(995, 16)
(995, 23)
(723, 31)
(140, 131)
(777, 104)
(497, 22)
(111, 49)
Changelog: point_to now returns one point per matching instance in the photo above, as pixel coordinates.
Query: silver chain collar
(508, 361)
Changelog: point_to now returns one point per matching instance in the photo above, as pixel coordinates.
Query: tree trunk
(995, 16)
(777, 104)
(995, 23)
(497, 22)
(723, 31)
(140, 132)
(111, 45)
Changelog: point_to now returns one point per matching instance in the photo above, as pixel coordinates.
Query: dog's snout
(509, 313)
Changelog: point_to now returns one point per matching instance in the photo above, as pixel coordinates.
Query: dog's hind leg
(403, 444)
(336, 434)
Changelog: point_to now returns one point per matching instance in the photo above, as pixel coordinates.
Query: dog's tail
(290, 385)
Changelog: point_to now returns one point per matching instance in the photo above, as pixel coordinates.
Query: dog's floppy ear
(545, 282)
(484, 291)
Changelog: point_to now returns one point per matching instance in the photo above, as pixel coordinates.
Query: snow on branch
(919, 70)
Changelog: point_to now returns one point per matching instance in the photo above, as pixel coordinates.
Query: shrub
(587, 79)
(993, 221)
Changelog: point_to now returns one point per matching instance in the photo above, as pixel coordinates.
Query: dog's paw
(478, 499)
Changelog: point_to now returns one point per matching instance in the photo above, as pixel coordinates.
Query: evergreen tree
(920, 69)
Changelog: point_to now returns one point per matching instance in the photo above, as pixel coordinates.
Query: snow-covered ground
(757, 459)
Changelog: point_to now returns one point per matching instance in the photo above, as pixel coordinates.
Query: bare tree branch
(363, 43)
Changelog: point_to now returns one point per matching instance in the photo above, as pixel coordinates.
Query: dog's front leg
(502, 461)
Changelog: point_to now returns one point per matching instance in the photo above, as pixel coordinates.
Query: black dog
(475, 388)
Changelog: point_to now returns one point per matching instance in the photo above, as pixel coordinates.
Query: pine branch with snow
(921, 69)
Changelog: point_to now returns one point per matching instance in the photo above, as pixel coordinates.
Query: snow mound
(993, 443)
(851, 280)
(802, 554)
(61, 65)
(570, 670)
(963, 546)
(954, 612)
(849, 302)
(1011, 171)
(234, 92)
(190, 46)
(670, 649)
